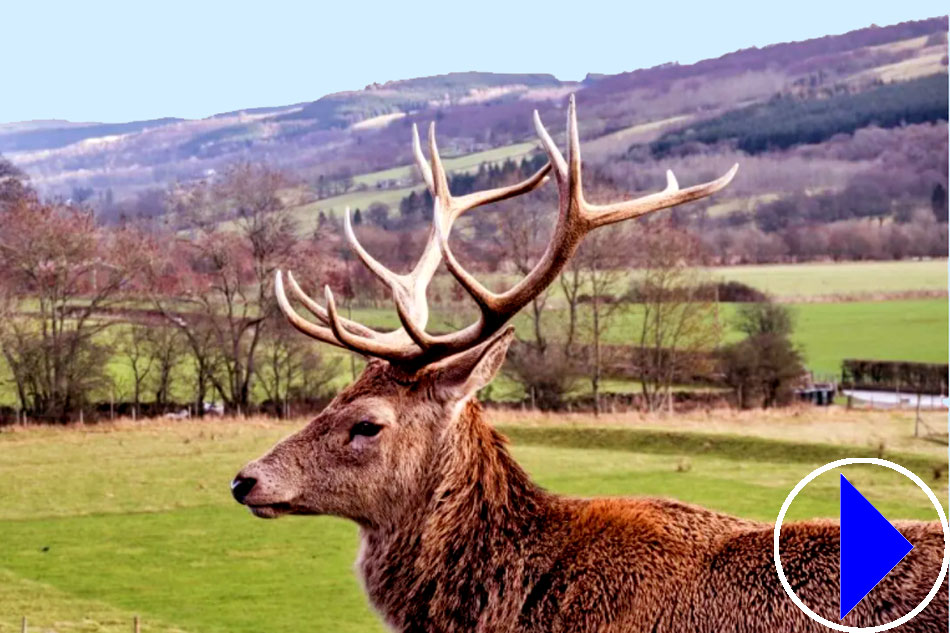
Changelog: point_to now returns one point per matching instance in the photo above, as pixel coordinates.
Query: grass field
(913, 330)
(800, 281)
(814, 281)
(826, 333)
(101, 523)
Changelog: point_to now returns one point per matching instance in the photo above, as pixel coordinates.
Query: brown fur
(456, 537)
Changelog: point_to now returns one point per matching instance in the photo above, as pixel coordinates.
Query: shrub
(547, 374)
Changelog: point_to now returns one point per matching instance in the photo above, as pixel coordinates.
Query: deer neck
(479, 514)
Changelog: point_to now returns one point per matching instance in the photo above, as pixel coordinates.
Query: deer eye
(364, 428)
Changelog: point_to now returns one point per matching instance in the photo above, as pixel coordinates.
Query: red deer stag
(454, 534)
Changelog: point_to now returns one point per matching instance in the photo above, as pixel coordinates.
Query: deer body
(487, 550)
(456, 537)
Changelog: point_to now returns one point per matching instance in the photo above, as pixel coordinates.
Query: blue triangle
(870, 547)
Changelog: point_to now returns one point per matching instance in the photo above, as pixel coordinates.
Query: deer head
(369, 454)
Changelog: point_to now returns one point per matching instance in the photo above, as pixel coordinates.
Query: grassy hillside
(101, 524)
(379, 184)
(455, 164)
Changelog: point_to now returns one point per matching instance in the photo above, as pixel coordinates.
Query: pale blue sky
(118, 61)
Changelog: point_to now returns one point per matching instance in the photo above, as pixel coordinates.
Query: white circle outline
(848, 461)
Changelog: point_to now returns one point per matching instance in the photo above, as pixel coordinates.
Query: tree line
(184, 303)
(181, 307)
(786, 121)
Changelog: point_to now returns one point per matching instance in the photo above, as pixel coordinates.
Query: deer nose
(241, 487)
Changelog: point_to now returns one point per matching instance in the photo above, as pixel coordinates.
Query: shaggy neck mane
(453, 558)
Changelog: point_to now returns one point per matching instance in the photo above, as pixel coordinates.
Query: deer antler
(576, 218)
(408, 290)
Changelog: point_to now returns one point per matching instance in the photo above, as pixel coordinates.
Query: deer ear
(460, 376)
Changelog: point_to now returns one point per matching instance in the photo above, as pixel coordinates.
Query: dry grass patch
(894, 430)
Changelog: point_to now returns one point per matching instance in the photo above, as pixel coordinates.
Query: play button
(870, 547)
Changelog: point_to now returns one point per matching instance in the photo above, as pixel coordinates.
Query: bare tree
(523, 231)
(317, 373)
(288, 370)
(64, 271)
(135, 347)
(679, 323)
(543, 363)
(602, 260)
(13, 184)
(242, 232)
(279, 367)
(571, 281)
(167, 347)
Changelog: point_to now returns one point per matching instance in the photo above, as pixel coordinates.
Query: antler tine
(448, 210)
(601, 215)
(456, 206)
(340, 331)
(480, 198)
(568, 232)
(418, 334)
(421, 163)
(389, 277)
(440, 180)
(388, 350)
(554, 154)
(310, 329)
(482, 296)
(321, 313)
(574, 154)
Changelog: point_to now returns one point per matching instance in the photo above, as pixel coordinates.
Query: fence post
(23, 625)
(917, 417)
(135, 625)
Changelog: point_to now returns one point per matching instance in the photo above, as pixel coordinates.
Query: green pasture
(467, 162)
(880, 280)
(308, 214)
(914, 330)
(99, 525)
(800, 281)
(826, 333)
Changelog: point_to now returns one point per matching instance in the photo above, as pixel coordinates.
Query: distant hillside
(56, 137)
(840, 54)
(340, 137)
(40, 124)
(784, 122)
(346, 108)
